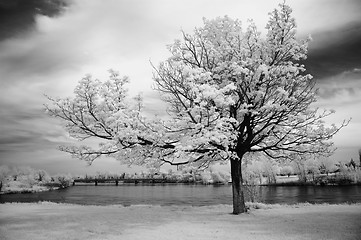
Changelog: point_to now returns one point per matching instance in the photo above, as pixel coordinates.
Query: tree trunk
(237, 187)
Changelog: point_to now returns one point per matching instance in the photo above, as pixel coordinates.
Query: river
(183, 194)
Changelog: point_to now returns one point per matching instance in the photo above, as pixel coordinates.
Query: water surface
(183, 194)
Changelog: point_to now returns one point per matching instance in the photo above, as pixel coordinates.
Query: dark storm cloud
(344, 87)
(22, 55)
(18, 16)
(334, 52)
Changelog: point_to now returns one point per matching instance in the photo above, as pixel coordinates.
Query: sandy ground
(62, 221)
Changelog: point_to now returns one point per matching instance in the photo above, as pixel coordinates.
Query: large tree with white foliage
(231, 92)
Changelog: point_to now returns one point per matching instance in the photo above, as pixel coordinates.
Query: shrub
(206, 177)
(64, 181)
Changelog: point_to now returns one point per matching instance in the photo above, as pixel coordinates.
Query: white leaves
(101, 110)
(281, 37)
(229, 90)
(221, 97)
(234, 74)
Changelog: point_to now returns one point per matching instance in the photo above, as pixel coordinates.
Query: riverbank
(64, 221)
(16, 187)
(34, 189)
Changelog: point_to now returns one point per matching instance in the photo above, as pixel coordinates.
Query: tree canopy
(231, 91)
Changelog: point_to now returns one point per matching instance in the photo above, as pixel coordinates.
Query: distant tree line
(308, 171)
(26, 179)
(183, 175)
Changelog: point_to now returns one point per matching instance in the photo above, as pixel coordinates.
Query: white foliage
(229, 91)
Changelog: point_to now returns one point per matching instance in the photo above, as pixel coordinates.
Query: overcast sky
(47, 46)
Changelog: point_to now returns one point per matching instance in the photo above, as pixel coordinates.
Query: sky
(46, 47)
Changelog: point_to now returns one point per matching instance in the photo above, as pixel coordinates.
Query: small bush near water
(28, 180)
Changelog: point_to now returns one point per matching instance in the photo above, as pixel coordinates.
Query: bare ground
(63, 221)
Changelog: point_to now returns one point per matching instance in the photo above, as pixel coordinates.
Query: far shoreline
(279, 184)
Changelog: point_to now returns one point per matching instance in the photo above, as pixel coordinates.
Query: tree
(4, 173)
(328, 166)
(236, 93)
(313, 167)
(253, 171)
(42, 176)
(64, 181)
(231, 93)
(270, 171)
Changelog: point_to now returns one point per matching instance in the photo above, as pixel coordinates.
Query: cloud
(17, 17)
(344, 88)
(28, 129)
(342, 93)
(335, 51)
(48, 49)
